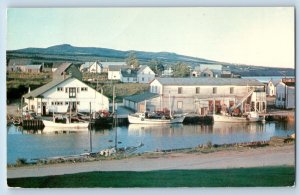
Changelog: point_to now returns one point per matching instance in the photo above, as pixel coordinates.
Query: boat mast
(170, 105)
(214, 106)
(70, 113)
(113, 106)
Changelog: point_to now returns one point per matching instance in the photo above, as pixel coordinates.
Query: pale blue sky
(259, 36)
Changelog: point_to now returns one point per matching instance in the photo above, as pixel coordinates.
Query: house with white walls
(145, 74)
(128, 75)
(271, 87)
(63, 95)
(114, 72)
(91, 67)
(285, 94)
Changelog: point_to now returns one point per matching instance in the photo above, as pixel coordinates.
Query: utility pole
(90, 130)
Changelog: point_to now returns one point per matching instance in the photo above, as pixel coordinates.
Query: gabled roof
(128, 72)
(35, 93)
(142, 68)
(67, 69)
(87, 65)
(115, 67)
(33, 66)
(209, 81)
(62, 68)
(106, 64)
(141, 97)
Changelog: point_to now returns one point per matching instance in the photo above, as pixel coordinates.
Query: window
(84, 88)
(78, 89)
(72, 92)
(197, 90)
(214, 90)
(52, 103)
(66, 89)
(179, 90)
(142, 78)
(179, 105)
(60, 88)
(78, 103)
(231, 90)
(66, 103)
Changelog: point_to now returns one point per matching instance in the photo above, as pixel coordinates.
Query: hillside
(66, 52)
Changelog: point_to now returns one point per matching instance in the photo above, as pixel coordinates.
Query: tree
(181, 70)
(157, 66)
(132, 61)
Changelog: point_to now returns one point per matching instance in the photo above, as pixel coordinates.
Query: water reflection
(45, 143)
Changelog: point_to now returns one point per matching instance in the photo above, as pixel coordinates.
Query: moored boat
(66, 125)
(142, 118)
(250, 117)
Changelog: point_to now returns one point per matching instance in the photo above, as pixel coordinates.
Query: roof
(128, 72)
(56, 64)
(13, 62)
(209, 81)
(87, 64)
(33, 66)
(141, 97)
(142, 68)
(115, 67)
(62, 68)
(106, 64)
(44, 88)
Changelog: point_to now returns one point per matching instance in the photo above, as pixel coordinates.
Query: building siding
(97, 100)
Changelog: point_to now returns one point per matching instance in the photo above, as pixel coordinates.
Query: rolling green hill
(66, 52)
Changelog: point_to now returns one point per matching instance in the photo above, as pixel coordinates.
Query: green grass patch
(238, 177)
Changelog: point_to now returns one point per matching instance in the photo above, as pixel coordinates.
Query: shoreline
(232, 157)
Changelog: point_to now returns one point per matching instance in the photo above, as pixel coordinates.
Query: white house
(62, 95)
(92, 67)
(271, 88)
(285, 94)
(114, 72)
(145, 74)
(128, 75)
(167, 72)
(198, 95)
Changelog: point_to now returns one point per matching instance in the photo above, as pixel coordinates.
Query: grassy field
(240, 177)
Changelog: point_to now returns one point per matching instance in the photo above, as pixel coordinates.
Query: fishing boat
(142, 118)
(248, 117)
(154, 117)
(67, 125)
(245, 117)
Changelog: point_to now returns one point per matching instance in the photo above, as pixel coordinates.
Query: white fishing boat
(66, 125)
(154, 118)
(141, 118)
(249, 117)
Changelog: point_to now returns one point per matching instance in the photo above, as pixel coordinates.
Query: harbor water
(30, 144)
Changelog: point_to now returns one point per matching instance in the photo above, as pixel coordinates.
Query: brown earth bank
(233, 157)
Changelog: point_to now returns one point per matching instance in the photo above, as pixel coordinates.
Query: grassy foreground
(239, 177)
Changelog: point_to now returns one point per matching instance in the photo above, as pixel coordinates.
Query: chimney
(28, 89)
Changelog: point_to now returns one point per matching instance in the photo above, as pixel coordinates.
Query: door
(44, 108)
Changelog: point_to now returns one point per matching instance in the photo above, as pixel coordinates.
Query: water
(265, 79)
(41, 144)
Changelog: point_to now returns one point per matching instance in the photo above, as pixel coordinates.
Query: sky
(262, 36)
